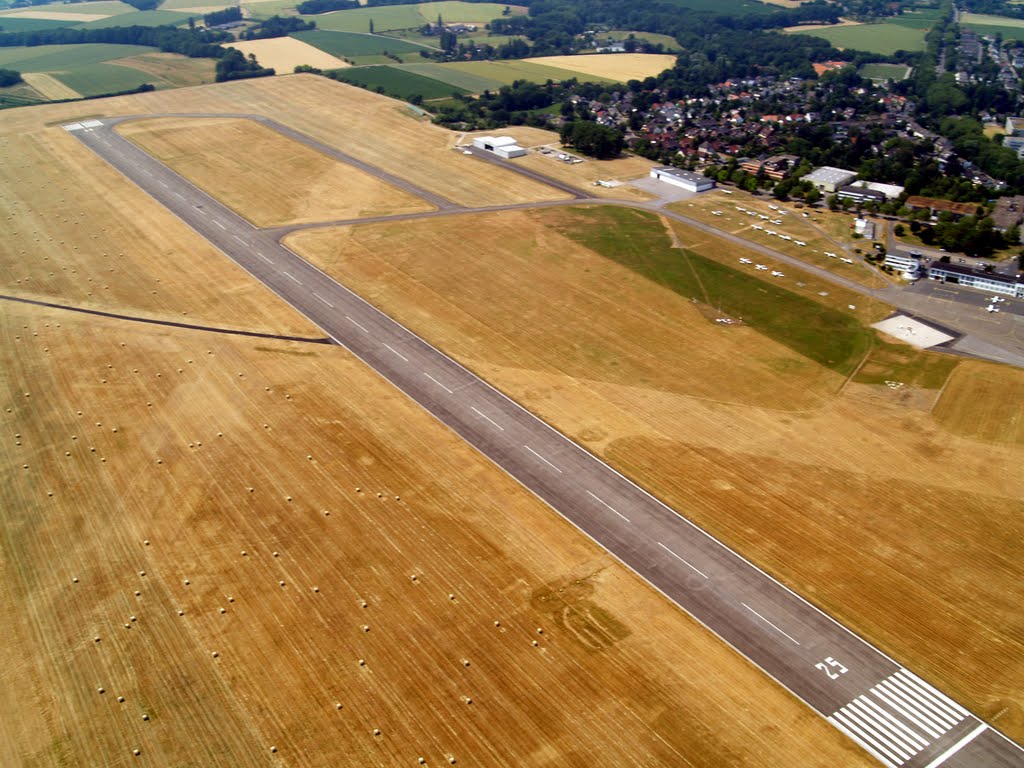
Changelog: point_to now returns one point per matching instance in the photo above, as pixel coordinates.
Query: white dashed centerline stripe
(291, 276)
(219, 224)
(357, 325)
(613, 509)
(200, 210)
(762, 618)
(265, 258)
(542, 458)
(483, 415)
(682, 560)
(396, 352)
(442, 386)
(325, 301)
(239, 239)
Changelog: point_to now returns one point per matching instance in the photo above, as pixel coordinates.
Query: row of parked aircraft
(762, 267)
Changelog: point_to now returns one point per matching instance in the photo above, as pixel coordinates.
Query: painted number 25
(831, 667)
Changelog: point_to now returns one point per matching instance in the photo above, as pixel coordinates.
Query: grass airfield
(225, 444)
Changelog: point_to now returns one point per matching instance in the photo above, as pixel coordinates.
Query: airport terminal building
(976, 278)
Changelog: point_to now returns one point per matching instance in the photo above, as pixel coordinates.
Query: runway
(894, 715)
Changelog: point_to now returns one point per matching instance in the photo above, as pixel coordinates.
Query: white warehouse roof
(829, 175)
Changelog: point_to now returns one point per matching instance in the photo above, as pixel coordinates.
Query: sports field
(293, 184)
(759, 442)
(190, 499)
(894, 72)
(876, 38)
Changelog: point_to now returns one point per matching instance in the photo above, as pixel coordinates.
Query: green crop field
(94, 79)
(141, 19)
(65, 58)
(352, 45)
(734, 7)
(390, 17)
(915, 19)
(652, 37)
(1008, 33)
(875, 38)
(893, 72)
(632, 238)
(264, 9)
(399, 83)
(9, 24)
(456, 78)
(988, 20)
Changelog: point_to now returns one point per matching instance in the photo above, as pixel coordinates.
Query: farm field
(156, 18)
(284, 54)
(391, 17)
(732, 7)
(620, 67)
(190, 473)
(980, 403)
(877, 38)
(399, 83)
(295, 184)
(170, 70)
(89, 9)
(354, 46)
(49, 87)
(1007, 33)
(478, 76)
(990, 20)
(652, 37)
(68, 71)
(762, 446)
(60, 58)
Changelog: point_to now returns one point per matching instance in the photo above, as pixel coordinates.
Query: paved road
(896, 716)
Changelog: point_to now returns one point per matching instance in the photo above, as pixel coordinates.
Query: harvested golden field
(615, 66)
(77, 18)
(982, 401)
(291, 183)
(844, 494)
(171, 70)
(284, 54)
(374, 128)
(190, 571)
(49, 86)
(78, 233)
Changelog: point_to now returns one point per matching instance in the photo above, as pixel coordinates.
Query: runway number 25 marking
(831, 667)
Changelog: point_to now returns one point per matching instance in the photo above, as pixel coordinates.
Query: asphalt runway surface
(894, 715)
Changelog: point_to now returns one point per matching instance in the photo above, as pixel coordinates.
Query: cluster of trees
(592, 139)
(970, 142)
(226, 16)
(9, 77)
(234, 65)
(277, 26)
(189, 42)
(326, 6)
(973, 235)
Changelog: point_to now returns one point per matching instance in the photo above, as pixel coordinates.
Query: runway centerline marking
(442, 386)
(239, 239)
(325, 301)
(542, 458)
(219, 224)
(682, 560)
(293, 277)
(262, 256)
(613, 509)
(394, 350)
(485, 416)
(773, 626)
(200, 210)
(357, 325)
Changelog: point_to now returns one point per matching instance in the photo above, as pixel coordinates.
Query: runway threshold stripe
(942, 698)
(865, 740)
(909, 734)
(542, 458)
(613, 509)
(918, 707)
(483, 415)
(940, 716)
(874, 753)
(874, 725)
(901, 706)
(773, 626)
(685, 562)
(956, 747)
